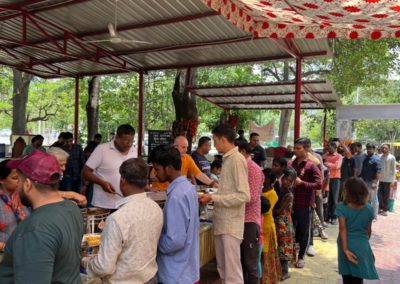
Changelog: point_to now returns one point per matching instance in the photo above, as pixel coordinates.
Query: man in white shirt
(102, 167)
(129, 241)
(388, 177)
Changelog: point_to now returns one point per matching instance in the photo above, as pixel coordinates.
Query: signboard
(157, 138)
(266, 132)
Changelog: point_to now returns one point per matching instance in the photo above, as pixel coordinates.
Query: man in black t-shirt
(241, 137)
(45, 247)
(259, 155)
(199, 156)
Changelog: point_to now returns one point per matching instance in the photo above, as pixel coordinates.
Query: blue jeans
(373, 198)
(334, 188)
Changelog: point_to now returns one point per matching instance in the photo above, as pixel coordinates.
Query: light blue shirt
(178, 249)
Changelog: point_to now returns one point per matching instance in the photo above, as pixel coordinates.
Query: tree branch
(273, 73)
(311, 72)
(45, 117)
(7, 112)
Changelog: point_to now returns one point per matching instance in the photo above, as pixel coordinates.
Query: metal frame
(140, 113)
(76, 114)
(117, 62)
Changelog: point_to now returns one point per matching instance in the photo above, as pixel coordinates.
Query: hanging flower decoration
(233, 121)
(352, 19)
(185, 127)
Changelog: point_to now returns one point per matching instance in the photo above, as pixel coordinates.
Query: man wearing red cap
(45, 248)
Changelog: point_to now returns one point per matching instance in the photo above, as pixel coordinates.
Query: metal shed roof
(47, 37)
(316, 94)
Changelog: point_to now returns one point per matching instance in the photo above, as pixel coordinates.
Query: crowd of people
(264, 217)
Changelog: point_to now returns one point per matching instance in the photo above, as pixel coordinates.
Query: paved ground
(322, 268)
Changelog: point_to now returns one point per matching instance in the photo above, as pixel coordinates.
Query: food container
(94, 219)
(90, 244)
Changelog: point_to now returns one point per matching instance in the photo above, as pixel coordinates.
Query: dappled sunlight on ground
(323, 267)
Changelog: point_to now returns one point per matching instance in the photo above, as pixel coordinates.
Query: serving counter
(206, 235)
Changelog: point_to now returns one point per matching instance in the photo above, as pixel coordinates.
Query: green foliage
(228, 75)
(360, 74)
(378, 130)
(158, 105)
(6, 88)
(313, 124)
(118, 101)
(361, 63)
(210, 115)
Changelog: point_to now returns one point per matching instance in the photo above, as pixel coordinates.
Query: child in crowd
(283, 221)
(393, 196)
(215, 170)
(278, 167)
(271, 269)
(355, 257)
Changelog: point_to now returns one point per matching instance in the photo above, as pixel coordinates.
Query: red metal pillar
(324, 133)
(140, 114)
(76, 117)
(297, 99)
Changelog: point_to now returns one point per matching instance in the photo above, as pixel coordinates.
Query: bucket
(391, 205)
(2, 150)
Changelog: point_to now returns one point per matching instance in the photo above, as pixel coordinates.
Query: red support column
(140, 114)
(76, 117)
(324, 133)
(297, 100)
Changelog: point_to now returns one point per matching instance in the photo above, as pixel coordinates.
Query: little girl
(278, 167)
(355, 257)
(283, 221)
(271, 270)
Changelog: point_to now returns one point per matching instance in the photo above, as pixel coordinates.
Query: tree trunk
(286, 114)
(20, 99)
(92, 107)
(284, 122)
(186, 115)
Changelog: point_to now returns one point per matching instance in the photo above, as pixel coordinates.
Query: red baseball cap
(38, 166)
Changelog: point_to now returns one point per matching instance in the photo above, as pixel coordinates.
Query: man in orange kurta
(189, 167)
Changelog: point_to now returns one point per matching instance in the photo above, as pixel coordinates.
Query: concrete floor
(323, 267)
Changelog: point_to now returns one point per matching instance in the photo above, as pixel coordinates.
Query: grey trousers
(227, 250)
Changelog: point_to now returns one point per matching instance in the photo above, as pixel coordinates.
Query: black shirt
(259, 155)
(202, 163)
(347, 169)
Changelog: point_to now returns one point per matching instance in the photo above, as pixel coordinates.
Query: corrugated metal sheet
(269, 95)
(181, 33)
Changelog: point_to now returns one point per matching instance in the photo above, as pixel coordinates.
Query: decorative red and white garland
(373, 19)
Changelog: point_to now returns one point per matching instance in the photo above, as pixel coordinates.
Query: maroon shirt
(309, 173)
